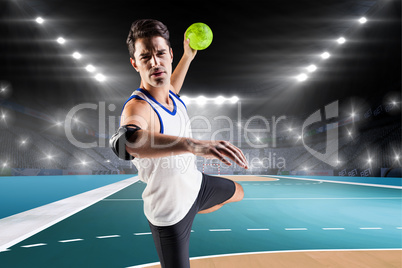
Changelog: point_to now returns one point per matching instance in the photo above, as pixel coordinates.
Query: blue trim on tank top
(139, 98)
(177, 97)
(163, 107)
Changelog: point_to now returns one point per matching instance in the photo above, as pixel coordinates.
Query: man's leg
(237, 196)
(172, 242)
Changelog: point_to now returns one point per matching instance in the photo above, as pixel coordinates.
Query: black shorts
(172, 242)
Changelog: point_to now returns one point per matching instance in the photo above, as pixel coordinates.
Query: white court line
(107, 236)
(322, 198)
(18, 227)
(296, 229)
(333, 228)
(341, 182)
(142, 233)
(34, 245)
(370, 228)
(262, 229)
(400, 228)
(71, 240)
(220, 230)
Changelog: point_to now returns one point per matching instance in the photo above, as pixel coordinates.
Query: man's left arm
(181, 69)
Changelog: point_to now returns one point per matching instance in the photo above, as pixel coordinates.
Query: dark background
(257, 50)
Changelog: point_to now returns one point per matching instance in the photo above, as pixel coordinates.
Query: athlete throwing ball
(156, 136)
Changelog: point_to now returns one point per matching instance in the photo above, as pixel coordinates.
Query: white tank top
(173, 182)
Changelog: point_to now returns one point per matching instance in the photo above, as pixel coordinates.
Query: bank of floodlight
(76, 55)
(341, 40)
(301, 77)
(325, 55)
(234, 99)
(311, 68)
(90, 68)
(220, 100)
(39, 20)
(61, 40)
(100, 77)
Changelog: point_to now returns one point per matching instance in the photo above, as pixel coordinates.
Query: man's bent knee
(238, 194)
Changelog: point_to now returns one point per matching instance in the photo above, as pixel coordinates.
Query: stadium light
(397, 157)
(100, 77)
(84, 163)
(353, 114)
(325, 55)
(49, 156)
(362, 20)
(39, 20)
(5, 164)
(301, 77)
(61, 40)
(220, 100)
(77, 55)
(311, 68)
(201, 100)
(185, 99)
(349, 133)
(369, 160)
(234, 99)
(299, 137)
(23, 142)
(341, 40)
(90, 68)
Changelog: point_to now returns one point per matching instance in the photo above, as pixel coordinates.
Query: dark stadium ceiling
(257, 50)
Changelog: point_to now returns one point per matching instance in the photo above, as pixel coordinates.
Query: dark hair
(145, 28)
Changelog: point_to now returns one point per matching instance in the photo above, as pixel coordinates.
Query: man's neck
(161, 94)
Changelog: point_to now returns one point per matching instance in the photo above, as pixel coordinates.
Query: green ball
(200, 35)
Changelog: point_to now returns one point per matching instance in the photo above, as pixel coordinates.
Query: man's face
(153, 60)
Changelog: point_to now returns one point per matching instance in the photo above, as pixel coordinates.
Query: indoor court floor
(283, 221)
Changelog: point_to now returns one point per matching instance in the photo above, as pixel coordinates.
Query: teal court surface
(283, 214)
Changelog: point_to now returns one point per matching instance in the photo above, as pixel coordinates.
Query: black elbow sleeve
(119, 139)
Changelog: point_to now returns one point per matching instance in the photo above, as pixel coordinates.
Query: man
(155, 133)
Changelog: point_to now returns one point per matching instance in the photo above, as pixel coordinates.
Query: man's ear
(171, 54)
(132, 61)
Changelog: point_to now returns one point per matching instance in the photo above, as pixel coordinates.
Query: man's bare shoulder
(136, 104)
(136, 112)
